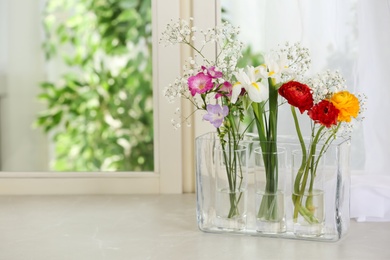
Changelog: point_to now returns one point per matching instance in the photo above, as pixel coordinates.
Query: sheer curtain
(352, 36)
(372, 190)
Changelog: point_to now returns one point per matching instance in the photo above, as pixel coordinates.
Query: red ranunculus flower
(297, 94)
(324, 113)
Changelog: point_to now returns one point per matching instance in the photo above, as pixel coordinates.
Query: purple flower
(216, 114)
(212, 72)
(200, 83)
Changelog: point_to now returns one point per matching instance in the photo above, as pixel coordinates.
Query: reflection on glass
(97, 110)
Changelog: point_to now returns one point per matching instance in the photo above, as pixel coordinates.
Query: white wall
(22, 62)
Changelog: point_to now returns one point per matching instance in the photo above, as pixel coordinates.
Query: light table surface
(153, 227)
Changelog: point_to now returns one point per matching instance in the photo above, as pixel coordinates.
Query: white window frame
(174, 161)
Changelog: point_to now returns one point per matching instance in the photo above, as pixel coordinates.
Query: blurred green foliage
(99, 111)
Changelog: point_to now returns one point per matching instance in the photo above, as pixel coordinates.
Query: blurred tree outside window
(99, 104)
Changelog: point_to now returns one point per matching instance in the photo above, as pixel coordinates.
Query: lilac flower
(212, 72)
(216, 114)
(200, 83)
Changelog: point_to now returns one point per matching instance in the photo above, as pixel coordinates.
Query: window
(97, 95)
(169, 160)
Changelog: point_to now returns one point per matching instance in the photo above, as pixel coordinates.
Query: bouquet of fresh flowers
(230, 96)
(331, 107)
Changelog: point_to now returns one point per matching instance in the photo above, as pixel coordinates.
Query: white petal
(242, 77)
(261, 72)
(236, 91)
(257, 92)
(251, 72)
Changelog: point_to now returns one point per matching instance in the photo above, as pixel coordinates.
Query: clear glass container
(334, 192)
(270, 173)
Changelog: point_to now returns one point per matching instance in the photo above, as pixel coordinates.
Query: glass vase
(216, 200)
(231, 186)
(270, 172)
(308, 194)
(320, 210)
(221, 184)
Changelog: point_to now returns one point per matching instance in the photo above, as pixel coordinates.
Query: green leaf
(128, 4)
(44, 96)
(87, 35)
(57, 118)
(47, 85)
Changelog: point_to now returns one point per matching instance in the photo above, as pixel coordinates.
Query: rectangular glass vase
(335, 174)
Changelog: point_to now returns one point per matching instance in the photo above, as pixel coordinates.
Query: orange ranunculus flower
(347, 104)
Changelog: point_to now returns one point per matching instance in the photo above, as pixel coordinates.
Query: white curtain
(352, 36)
(374, 73)
(371, 191)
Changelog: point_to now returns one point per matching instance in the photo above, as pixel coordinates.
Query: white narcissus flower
(251, 80)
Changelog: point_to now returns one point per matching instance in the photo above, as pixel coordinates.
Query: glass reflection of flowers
(208, 87)
(331, 108)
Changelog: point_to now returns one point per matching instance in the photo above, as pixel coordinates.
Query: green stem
(272, 136)
(300, 186)
(314, 166)
(301, 168)
(233, 166)
(312, 154)
(301, 141)
(326, 145)
(267, 129)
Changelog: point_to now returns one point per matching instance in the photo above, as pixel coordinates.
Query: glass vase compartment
(214, 202)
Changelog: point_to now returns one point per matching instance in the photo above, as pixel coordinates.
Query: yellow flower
(347, 104)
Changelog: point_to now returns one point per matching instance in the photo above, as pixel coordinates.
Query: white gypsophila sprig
(224, 36)
(324, 84)
(179, 88)
(362, 104)
(345, 130)
(176, 89)
(299, 60)
(230, 49)
(228, 58)
(178, 32)
(180, 120)
(191, 67)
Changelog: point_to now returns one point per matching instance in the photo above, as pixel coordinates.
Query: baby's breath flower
(298, 60)
(177, 32)
(325, 84)
(363, 105)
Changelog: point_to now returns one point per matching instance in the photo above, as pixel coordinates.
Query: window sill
(152, 227)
